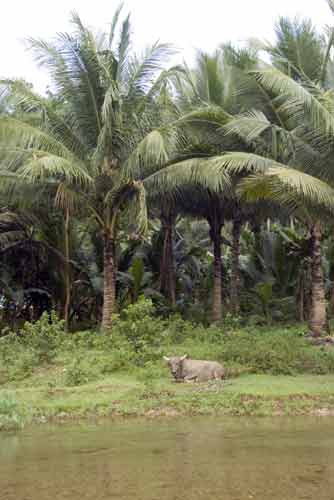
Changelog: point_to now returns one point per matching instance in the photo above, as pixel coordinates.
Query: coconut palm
(32, 255)
(294, 132)
(303, 139)
(265, 178)
(105, 125)
(207, 98)
(301, 52)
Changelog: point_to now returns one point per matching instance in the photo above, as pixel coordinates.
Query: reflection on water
(190, 459)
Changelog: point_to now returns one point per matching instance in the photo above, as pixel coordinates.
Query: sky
(188, 24)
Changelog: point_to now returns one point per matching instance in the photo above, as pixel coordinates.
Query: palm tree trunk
(215, 235)
(235, 269)
(318, 318)
(167, 266)
(300, 297)
(332, 300)
(67, 271)
(109, 290)
(257, 232)
(308, 291)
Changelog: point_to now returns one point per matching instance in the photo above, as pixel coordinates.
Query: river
(175, 459)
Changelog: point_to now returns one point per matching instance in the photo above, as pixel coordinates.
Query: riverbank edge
(123, 396)
(241, 406)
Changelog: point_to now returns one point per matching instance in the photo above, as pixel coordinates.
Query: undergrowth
(140, 339)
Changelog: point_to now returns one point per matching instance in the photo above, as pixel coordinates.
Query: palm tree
(299, 136)
(31, 252)
(210, 206)
(318, 316)
(105, 127)
(299, 51)
(206, 99)
(167, 283)
(305, 55)
(302, 138)
(281, 134)
(297, 191)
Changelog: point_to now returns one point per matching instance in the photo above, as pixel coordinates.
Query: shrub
(138, 324)
(79, 372)
(44, 336)
(17, 361)
(316, 360)
(12, 414)
(138, 333)
(149, 375)
(177, 330)
(106, 363)
(22, 365)
(275, 351)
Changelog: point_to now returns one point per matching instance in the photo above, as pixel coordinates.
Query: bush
(44, 336)
(318, 361)
(177, 330)
(17, 361)
(150, 374)
(138, 333)
(277, 352)
(79, 373)
(12, 414)
(110, 362)
(22, 365)
(139, 340)
(138, 324)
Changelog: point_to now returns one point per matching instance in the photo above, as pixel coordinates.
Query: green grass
(124, 395)
(276, 386)
(271, 371)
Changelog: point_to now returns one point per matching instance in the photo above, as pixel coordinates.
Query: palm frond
(299, 49)
(257, 131)
(327, 56)
(330, 4)
(123, 49)
(42, 167)
(67, 198)
(142, 71)
(207, 174)
(151, 153)
(240, 163)
(82, 67)
(158, 98)
(74, 66)
(210, 78)
(249, 126)
(214, 115)
(48, 57)
(114, 23)
(299, 101)
(139, 209)
(288, 187)
(22, 96)
(15, 133)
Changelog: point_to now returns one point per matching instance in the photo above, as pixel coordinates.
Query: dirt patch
(104, 388)
(323, 412)
(162, 412)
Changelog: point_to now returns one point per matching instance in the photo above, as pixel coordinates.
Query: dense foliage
(207, 189)
(140, 340)
(149, 211)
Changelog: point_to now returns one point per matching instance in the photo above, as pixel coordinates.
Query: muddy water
(191, 459)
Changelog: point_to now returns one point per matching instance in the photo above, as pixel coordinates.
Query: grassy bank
(47, 374)
(123, 395)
